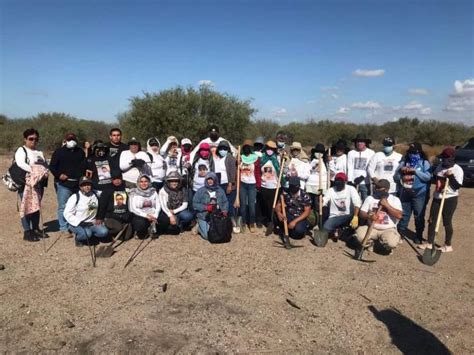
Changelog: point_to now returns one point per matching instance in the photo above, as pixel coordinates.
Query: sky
(355, 61)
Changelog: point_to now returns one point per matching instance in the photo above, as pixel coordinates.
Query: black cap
(84, 180)
(382, 184)
(133, 140)
(362, 138)
(388, 141)
(214, 128)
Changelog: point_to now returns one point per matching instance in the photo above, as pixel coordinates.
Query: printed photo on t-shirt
(268, 172)
(147, 204)
(340, 204)
(120, 199)
(103, 170)
(360, 163)
(246, 169)
(440, 183)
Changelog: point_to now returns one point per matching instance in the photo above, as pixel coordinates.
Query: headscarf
(148, 147)
(176, 197)
(143, 193)
(212, 176)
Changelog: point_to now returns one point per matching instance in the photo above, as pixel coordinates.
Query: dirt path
(232, 298)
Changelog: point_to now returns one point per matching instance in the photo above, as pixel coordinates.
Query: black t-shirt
(101, 169)
(114, 153)
(113, 203)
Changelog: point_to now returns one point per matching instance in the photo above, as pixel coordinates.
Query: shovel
(320, 236)
(360, 251)
(286, 236)
(431, 256)
(108, 250)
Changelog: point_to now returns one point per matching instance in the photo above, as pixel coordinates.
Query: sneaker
(252, 228)
(41, 233)
(425, 246)
(30, 236)
(370, 248)
(446, 249)
(243, 228)
(260, 226)
(269, 230)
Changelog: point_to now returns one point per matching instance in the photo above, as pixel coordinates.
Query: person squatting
(114, 188)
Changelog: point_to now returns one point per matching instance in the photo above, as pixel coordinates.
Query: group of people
(121, 189)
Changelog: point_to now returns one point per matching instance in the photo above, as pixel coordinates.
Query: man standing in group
(384, 164)
(213, 140)
(68, 164)
(115, 146)
(357, 162)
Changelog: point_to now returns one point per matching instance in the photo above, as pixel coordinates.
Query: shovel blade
(320, 238)
(105, 251)
(431, 256)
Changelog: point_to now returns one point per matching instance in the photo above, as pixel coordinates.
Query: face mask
(223, 152)
(414, 158)
(71, 144)
(447, 163)
(361, 146)
(380, 194)
(204, 154)
(294, 189)
(186, 148)
(100, 152)
(317, 155)
(388, 150)
(246, 150)
(269, 152)
(214, 136)
(339, 185)
(281, 145)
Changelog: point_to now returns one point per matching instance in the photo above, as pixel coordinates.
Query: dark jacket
(109, 208)
(114, 153)
(71, 162)
(202, 198)
(101, 168)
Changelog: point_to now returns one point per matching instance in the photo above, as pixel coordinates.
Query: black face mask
(246, 150)
(187, 148)
(447, 163)
(378, 194)
(258, 147)
(294, 189)
(214, 136)
(339, 185)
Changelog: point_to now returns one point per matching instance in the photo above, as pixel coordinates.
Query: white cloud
(335, 96)
(343, 110)
(413, 107)
(368, 73)
(369, 105)
(279, 111)
(206, 83)
(462, 99)
(418, 91)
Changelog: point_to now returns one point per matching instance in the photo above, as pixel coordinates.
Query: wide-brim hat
(362, 138)
(271, 144)
(296, 146)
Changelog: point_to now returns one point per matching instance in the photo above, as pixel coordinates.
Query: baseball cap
(84, 180)
(388, 141)
(383, 184)
(341, 176)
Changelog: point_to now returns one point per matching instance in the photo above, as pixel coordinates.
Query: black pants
(450, 205)
(140, 226)
(115, 226)
(267, 195)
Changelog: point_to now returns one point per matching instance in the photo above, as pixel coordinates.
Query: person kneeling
(113, 208)
(298, 208)
(145, 207)
(80, 212)
(208, 199)
(344, 203)
(384, 211)
(174, 203)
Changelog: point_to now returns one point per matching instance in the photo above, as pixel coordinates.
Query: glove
(354, 222)
(358, 180)
(210, 207)
(138, 163)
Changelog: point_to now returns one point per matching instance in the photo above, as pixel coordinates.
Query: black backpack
(220, 228)
(17, 174)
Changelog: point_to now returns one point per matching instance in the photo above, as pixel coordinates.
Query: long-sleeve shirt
(81, 208)
(338, 164)
(382, 166)
(454, 183)
(313, 184)
(26, 161)
(300, 168)
(130, 172)
(163, 198)
(357, 162)
(143, 206)
(70, 162)
(418, 180)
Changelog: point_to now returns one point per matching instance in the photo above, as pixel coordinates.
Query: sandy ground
(232, 298)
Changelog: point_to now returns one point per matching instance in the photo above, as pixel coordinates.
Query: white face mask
(71, 144)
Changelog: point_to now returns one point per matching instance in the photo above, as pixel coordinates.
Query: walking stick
(286, 235)
(236, 228)
(90, 247)
(328, 182)
(137, 251)
(359, 252)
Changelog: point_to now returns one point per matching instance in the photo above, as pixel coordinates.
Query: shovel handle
(369, 230)
(237, 198)
(283, 211)
(279, 181)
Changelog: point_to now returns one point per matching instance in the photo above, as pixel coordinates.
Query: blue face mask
(413, 159)
(388, 150)
(223, 152)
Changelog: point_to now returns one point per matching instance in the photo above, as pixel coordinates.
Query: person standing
(202, 164)
(213, 140)
(357, 162)
(298, 164)
(26, 158)
(67, 165)
(158, 167)
(445, 173)
(317, 180)
(384, 164)
(414, 176)
(98, 167)
(338, 162)
(116, 146)
(134, 162)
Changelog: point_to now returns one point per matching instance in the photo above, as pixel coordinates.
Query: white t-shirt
(247, 173)
(269, 176)
(440, 182)
(300, 168)
(337, 165)
(384, 220)
(312, 184)
(341, 203)
(357, 163)
(384, 167)
(219, 167)
(200, 174)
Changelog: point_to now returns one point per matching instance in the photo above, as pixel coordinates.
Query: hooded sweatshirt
(158, 165)
(172, 158)
(209, 195)
(226, 166)
(100, 166)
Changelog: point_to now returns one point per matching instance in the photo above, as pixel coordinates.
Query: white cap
(186, 141)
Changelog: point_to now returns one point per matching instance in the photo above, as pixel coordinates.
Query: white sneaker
(424, 246)
(446, 249)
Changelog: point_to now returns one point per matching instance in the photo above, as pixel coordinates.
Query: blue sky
(355, 61)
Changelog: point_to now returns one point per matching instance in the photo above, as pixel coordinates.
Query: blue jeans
(363, 191)
(62, 195)
(248, 201)
(203, 228)
(184, 218)
(335, 222)
(85, 231)
(417, 205)
(230, 198)
(300, 229)
(30, 221)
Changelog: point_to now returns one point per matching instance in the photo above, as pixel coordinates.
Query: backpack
(220, 228)
(15, 177)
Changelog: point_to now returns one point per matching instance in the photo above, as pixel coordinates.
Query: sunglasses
(33, 139)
